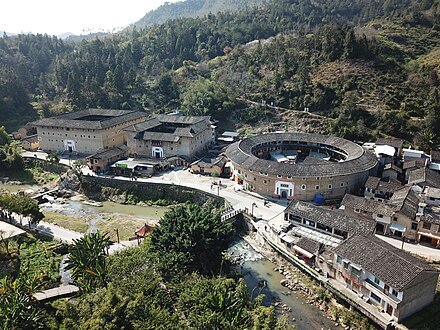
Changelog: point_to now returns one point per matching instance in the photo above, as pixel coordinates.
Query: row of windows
(81, 136)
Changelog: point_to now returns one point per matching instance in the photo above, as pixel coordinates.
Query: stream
(257, 271)
(260, 278)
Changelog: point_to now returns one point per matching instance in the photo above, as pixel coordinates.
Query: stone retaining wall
(150, 190)
(46, 166)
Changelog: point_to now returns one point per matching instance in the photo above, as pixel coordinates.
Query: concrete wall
(87, 141)
(418, 294)
(305, 189)
(150, 190)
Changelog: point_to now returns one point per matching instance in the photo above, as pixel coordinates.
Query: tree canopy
(192, 238)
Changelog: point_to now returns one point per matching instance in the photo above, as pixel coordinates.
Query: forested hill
(191, 8)
(362, 67)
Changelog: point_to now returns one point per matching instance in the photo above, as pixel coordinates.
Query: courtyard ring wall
(300, 165)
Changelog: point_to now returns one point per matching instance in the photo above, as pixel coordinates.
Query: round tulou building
(300, 166)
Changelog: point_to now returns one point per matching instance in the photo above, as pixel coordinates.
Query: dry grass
(75, 224)
(126, 226)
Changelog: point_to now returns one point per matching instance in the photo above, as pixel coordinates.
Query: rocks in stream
(69, 181)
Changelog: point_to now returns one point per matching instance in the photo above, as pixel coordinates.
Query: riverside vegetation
(176, 279)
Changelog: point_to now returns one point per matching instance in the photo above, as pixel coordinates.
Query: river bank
(294, 282)
(262, 277)
(113, 218)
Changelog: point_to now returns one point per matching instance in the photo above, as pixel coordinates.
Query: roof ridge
(395, 251)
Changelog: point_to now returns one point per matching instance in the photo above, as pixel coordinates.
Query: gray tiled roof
(357, 159)
(73, 119)
(435, 156)
(308, 245)
(393, 266)
(368, 205)
(415, 163)
(377, 184)
(424, 176)
(432, 192)
(392, 167)
(108, 153)
(190, 127)
(431, 215)
(372, 182)
(407, 200)
(396, 143)
(331, 218)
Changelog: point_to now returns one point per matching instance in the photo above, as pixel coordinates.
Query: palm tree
(87, 261)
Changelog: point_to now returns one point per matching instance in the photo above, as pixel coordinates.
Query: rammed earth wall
(149, 190)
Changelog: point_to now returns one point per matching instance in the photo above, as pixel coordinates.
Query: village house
(389, 278)
(397, 217)
(435, 160)
(323, 225)
(429, 227)
(210, 164)
(391, 171)
(86, 131)
(424, 177)
(101, 161)
(163, 136)
(30, 143)
(431, 196)
(375, 188)
(397, 144)
(24, 132)
(412, 165)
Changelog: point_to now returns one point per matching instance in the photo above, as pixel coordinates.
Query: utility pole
(117, 234)
(253, 205)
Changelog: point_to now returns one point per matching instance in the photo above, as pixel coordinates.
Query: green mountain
(363, 69)
(191, 8)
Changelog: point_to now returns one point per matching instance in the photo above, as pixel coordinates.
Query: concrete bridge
(56, 293)
(41, 197)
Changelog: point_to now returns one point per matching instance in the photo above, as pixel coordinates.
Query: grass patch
(75, 224)
(35, 175)
(126, 227)
(25, 176)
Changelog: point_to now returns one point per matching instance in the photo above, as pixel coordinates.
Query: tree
(205, 97)
(191, 237)
(53, 157)
(87, 260)
(4, 136)
(24, 206)
(18, 307)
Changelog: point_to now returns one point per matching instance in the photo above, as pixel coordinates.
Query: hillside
(191, 8)
(371, 71)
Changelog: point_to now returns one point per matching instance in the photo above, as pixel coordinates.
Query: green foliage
(137, 298)
(4, 137)
(162, 202)
(53, 157)
(22, 205)
(191, 238)
(10, 154)
(18, 307)
(87, 261)
(205, 97)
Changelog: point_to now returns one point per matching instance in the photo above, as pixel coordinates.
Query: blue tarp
(319, 199)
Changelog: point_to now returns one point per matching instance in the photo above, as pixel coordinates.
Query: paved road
(421, 250)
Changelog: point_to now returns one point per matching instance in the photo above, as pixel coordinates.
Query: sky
(56, 17)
